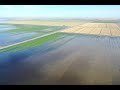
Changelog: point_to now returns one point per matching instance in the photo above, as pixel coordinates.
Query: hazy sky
(63, 11)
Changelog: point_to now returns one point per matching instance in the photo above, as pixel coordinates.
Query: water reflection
(72, 59)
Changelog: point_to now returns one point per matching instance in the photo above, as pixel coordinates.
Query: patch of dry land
(109, 29)
(50, 23)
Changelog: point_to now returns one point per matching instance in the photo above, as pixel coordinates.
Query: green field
(20, 32)
(21, 28)
(33, 28)
(33, 43)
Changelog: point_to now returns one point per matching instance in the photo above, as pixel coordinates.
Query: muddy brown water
(73, 59)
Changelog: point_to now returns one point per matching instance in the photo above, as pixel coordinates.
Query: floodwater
(72, 59)
(11, 38)
(7, 38)
(6, 28)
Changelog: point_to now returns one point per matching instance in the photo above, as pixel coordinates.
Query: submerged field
(85, 54)
(32, 43)
(11, 33)
(68, 59)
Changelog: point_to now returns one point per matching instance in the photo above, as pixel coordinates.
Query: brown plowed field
(109, 29)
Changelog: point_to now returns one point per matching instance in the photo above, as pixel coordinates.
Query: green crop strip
(33, 28)
(32, 43)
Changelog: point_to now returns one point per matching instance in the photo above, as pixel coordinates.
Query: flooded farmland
(70, 59)
(11, 34)
(60, 45)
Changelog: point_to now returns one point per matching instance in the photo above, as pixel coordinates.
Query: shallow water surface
(71, 59)
(11, 38)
